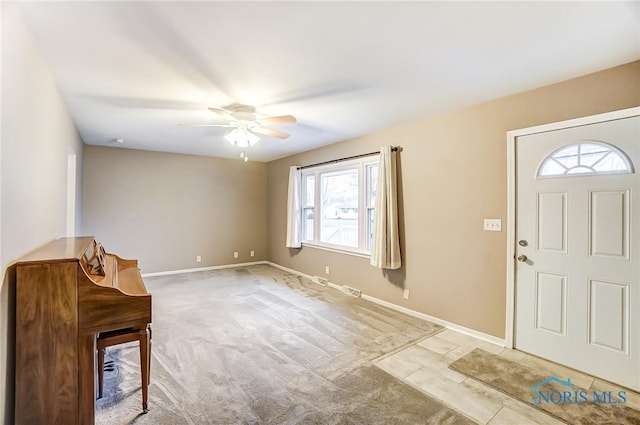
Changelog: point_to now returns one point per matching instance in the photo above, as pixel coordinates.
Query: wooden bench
(122, 336)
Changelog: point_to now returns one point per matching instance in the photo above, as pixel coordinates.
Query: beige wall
(453, 174)
(37, 134)
(165, 209)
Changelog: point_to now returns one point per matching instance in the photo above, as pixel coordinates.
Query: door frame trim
(511, 197)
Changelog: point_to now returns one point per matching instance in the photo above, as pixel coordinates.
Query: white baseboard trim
(458, 328)
(334, 286)
(202, 269)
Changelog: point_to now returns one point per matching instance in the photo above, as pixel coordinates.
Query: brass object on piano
(64, 298)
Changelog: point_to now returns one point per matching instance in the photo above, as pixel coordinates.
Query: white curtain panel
(294, 214)
(385, 249)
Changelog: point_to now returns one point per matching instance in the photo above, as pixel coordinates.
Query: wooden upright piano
(67, 292)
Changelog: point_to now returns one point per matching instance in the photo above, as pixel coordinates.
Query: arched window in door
(585, 158)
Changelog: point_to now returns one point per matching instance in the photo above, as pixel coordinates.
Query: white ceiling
(136, 70)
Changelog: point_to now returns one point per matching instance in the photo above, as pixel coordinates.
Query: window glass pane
(590, 154)
(567, 156)
(370, 215)
(308, 193)
(307, 224)
(339, 208)
(552, 168)
(373, 184)
(309, 187)
(612, 162)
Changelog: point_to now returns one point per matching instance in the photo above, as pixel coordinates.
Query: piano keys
(67, 292)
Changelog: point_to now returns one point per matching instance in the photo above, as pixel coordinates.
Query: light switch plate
(493, 224)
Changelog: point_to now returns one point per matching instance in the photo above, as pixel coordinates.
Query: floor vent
(320, 280)
(351, 291)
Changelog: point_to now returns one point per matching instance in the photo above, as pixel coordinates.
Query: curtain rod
(334, 161)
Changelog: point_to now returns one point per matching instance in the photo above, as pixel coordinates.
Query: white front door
(577, 289)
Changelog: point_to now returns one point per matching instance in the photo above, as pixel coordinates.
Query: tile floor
(425, 366)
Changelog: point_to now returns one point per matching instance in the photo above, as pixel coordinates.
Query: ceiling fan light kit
(242, 137)
(245, 124)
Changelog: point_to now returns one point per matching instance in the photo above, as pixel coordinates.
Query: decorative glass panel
(585, 158)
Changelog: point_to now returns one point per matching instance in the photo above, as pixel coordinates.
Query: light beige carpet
(256, 345)
(568, 403)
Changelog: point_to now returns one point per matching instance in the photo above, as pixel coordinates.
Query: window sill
(338, 250)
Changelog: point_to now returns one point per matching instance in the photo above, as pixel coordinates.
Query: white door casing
(576, 299)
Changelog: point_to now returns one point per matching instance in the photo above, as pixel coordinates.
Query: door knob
(522, 258)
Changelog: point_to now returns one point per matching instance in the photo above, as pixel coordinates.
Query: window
(338, 205)
(585, 158)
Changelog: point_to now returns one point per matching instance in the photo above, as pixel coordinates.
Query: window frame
(306, 205)
(363, 167)
(369, 204)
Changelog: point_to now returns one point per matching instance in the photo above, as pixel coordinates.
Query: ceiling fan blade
(204, 125)
(221, 112)
(283, 119)
(270, 132)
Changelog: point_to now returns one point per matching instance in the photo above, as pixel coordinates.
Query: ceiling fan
(246, 123)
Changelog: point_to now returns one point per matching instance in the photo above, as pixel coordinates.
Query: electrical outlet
(493, 224)
(252, 254)
(235, 254)
(406, 294)
(198, 258)
(326, 269)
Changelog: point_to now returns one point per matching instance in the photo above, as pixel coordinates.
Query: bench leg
(144, 367)
(149, 354)
(100, 371)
